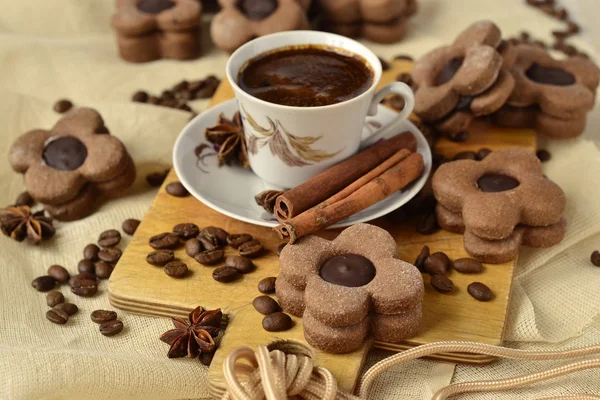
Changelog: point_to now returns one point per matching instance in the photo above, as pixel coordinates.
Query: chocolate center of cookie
(154, 6)
(257, 9)
(348, 270)
(448, 71)
(490, 183)
(549, 76)
(65, 153)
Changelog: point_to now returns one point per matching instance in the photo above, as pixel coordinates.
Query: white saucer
(231, 190)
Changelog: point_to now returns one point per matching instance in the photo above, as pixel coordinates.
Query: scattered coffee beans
(437, 264)
(186, 230)
(140, 97)
(250, 249)
(90, 252)
(166, 240)
(176, 269)
(468, 265)
(62, 106)
(155, 179)
(208, 243)
(465, 155)
(100, 316)
(160, 258)
(267, 285)
(177, 189)
(82, 275)
(86, 266)
(210, 257)
(59, 273)
(84, 287)
(218, 234)
(242, 264)
(236, 241)
(403, 57)
(543, 155)
(130, 225)
(225, 274)
(482, 153)
(280, 248)
(459, 137)
(595, 258)
(43, 283)
(109, 238)
(384, 64)
(110, 255)
(103, 269)
(57, 316)
(277, 322)
(480, 291)
(420, 261)
(54, 298)
(69, 308)
(111, 328)
(427, 224)
(24, 199)
(266, 305)
(193, 247)
(442, 284)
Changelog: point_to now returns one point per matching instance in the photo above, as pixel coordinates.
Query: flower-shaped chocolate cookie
(348, 287)
(505, 189)
(243, 20)
(464, 80)
(65, 166)
(564, 89)
(151, 29)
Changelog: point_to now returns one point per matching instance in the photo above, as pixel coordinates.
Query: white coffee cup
(289, 145)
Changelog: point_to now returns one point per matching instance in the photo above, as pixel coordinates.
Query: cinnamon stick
(326, 184)
(392, 180)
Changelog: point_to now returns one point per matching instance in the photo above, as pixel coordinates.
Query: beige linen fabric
(51, 49)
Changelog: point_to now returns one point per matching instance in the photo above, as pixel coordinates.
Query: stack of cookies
(500, 203)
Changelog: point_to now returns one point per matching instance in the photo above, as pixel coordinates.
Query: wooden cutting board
(138, 287)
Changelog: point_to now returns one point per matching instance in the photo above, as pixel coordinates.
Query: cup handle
(401, 89)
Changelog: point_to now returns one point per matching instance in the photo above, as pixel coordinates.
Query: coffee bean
(210, 257)
(69, 308)
(100, 316)
(207, 243)
(242, 264)
(57, 316)
(221, 235)
(480, 291)
(572, 27)
(206, 358)
(90, 252)
(267, 285)
(193, 247)
(84, 287)
(437, 264)
(403, 57)
(265, 305)
(236, 241)
(140, 96)
(109, 238)
(442, 284)
(82, 275)
(250, 249)
(177, 189)
(420, 261)
(86, 266)
(482, 153)
(225, 274)
(130, 225)
(280, 248)
(176, 269)
(160, 258)
(166, 240)
(384, 64)
(111, 328)
(465, 155)
(153, 100)
(427, 224)
(459, 137)
(24, 199)
(62, 106)
(543, 155)
(59, 273)
(156, 179)
(54, 298)
(277, 322)
(104, 269)
(43, 283)
(110, 255)
(186, 230)
(595, 258)
(468, 265)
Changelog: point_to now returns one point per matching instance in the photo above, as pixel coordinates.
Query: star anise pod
(194, 336)
(228, 134)
(266, 199)
(20, 223)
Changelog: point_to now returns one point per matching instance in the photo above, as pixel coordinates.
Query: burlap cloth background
(64, 48)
